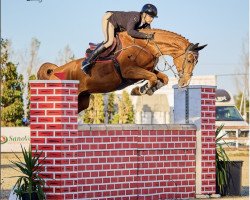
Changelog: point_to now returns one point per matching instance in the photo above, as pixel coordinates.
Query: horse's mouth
(182, 84)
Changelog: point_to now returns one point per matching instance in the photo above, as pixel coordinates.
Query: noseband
(187, 51)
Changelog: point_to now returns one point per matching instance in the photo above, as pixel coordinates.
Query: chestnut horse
(137, 60)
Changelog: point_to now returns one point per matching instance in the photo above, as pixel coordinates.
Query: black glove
(150, 36)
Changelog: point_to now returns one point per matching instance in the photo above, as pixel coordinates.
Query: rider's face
(148, 19)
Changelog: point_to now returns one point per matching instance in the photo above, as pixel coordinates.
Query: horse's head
(186, 62)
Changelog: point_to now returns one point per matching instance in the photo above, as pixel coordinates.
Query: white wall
(13, 137)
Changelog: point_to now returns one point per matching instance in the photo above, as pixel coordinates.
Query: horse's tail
(45, 71)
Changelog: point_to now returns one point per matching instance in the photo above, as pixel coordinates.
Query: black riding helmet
(150, 9)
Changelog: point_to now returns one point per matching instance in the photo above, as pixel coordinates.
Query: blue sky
(222, 24)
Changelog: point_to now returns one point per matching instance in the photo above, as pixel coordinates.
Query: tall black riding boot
(87, 63)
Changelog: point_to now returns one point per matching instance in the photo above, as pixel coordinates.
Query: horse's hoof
(159, 84)
(150, 92)
(135, 91)
(143, 89)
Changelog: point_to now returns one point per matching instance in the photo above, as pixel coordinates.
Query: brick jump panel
(54, 130)
(208, 141)
(121, 161)
(137, 162)
(199, 109)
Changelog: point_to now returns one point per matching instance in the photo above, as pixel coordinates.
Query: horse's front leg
(139, 73)
(162, 80)
(162, 77)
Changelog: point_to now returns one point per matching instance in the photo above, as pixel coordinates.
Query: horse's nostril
(183, 85)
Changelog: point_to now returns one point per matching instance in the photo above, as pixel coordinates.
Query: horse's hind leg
(83, 101)
(136, 91)
(162, 77)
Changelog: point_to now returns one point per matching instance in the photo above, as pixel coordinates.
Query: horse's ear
(198, 48)
(194, 46)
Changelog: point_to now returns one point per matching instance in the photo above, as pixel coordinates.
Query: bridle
(180, 73)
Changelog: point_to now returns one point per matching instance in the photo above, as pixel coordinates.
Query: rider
(117, 21)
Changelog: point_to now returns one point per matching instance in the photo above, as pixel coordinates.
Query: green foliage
(125, 113)
(111, 106)
(12, 114)
(115, 119)
(94, 114)
(32, 77)
(30, 181)
(11, 91)
(221, 160)
(4, 51)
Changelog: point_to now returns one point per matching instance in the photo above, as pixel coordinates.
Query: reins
(134, 45)
(170, 67)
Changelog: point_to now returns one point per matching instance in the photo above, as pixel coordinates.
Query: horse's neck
(169, 43)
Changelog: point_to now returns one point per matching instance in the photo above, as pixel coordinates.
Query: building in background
(153, 109)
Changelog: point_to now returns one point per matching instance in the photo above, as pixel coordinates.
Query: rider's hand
(150, 36)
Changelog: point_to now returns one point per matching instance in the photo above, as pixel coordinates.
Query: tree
(4, 52)
(239, 101)
(11, 90)
(32, 77)
(242, 82)
(33, 62)
(94, 114)
(65, 56)
(111, 107)
(29, 63)
(125, 113)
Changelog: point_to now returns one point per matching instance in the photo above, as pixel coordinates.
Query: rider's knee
(108, 43)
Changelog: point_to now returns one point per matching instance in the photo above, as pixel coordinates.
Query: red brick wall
(118, 161)
(208, 140)
(150, 162)
(54, 130)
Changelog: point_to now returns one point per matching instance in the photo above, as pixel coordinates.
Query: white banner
(13, 137)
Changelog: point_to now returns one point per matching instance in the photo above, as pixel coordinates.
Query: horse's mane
(177, 38)
(170, 33)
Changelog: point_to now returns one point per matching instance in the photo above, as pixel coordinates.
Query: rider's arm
(132, 31)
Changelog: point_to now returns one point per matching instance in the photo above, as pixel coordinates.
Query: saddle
(108, 54)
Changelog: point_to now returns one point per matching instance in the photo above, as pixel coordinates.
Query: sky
(222, 24)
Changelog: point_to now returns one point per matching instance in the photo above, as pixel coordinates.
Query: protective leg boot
(87, 63)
